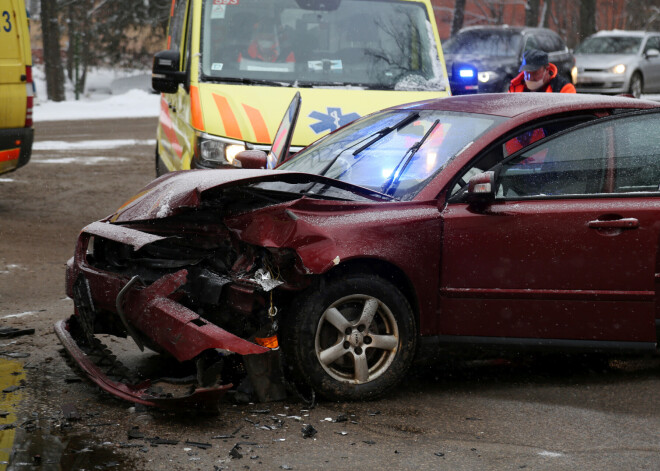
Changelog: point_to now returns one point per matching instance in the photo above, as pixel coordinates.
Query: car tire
(353, 337)
(161, 168)
(636, 85)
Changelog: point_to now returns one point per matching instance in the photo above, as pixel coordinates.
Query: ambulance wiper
(366, 86)
(248, 81)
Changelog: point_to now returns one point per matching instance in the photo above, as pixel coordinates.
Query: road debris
(308, 431)
(10, 332)
(70, 412)
(234, 453)
(15, 354)
(155, 441)
(203, 446)
(135, 433)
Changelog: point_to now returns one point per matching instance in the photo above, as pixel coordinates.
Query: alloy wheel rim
(357, 339)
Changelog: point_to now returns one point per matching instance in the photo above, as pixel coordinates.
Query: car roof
(620, 32)
(514, 29)
(510, 105)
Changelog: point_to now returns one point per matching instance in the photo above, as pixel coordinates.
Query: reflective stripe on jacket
(557, 84)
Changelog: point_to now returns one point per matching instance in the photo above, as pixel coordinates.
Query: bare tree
(459, 16)
(51, 47)
(587, 18)
(532, 13)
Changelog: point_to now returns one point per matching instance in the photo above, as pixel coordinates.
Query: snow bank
(109, 94)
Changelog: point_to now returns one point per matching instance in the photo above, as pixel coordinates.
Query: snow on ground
(109, 94)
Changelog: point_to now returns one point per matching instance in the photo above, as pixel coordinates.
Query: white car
(616, 62)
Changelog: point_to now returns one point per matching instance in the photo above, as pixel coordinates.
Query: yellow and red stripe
(10, 154)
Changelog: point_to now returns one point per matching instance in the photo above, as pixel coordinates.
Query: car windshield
(610, 45)
(485, 43)
(379, 44)
(391, 152)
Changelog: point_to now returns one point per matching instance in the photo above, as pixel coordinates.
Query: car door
(567, 251)
(651, 65)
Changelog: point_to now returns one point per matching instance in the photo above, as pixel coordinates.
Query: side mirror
(251, 159)
(165, 74)
(652, 53)
(481, 189)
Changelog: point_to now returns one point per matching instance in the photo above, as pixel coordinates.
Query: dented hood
(176, 192)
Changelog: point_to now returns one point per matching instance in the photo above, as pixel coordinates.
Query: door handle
(623, 223)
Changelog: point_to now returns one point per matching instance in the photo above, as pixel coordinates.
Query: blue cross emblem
(332, 120)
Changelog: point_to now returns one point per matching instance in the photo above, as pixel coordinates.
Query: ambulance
(232, 67)
(16, 87)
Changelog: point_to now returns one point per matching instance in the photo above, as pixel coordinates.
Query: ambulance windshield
(374, 44)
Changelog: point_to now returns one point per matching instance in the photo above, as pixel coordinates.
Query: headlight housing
(618, 69)
(212, 151)
(487, 76)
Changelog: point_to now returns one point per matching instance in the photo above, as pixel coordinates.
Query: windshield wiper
(366, 86)
(384, 132)
(392, 182)
(248, 81)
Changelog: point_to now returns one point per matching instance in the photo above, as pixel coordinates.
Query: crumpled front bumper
(146, 311)
(139, 393)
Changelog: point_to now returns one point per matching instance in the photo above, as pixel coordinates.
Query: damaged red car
(518, 221)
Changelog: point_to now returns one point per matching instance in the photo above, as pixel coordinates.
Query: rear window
(487, 43)
(609, 45)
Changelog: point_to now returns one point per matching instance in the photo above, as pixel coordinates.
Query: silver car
(615, 62)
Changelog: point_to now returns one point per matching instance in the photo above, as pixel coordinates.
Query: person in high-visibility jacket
(537, 74)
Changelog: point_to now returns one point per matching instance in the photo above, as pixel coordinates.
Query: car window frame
(649, 43)
(615, 116)
(527, 38)
(458, 196)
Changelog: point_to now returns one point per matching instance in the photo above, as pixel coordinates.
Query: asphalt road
(540, 413)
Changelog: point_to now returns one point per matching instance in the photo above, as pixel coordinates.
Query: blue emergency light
(463, 79)
(466, 73)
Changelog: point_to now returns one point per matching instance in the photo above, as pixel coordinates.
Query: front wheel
(636, 84)
(354, 338)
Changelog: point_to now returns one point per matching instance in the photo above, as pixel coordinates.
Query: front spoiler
(135, 393)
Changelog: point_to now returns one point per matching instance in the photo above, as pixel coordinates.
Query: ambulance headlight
(212, 151)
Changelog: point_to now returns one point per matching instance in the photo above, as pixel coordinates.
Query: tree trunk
(71, 33)
(532, 13)
(544, 21)
(52, 58)
(459, 15)
(587, 18)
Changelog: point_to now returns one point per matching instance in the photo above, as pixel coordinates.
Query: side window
(177, 25)
(572, 164)
(187, 51)
(531, 43)
(652, 43)
(545, 42)
(637, 154)
(556, 43)
(514, 143)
